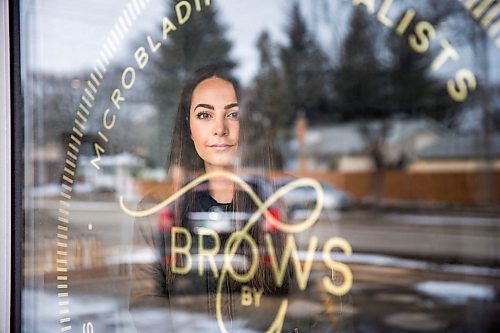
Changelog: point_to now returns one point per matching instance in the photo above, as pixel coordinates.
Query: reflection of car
(304, 198)
(221, 221)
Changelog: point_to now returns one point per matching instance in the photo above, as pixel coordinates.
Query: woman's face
(214, 122)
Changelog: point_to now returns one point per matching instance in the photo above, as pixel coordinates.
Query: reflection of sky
(68, 34)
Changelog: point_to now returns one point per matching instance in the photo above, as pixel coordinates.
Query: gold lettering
(251, 295)
(153, 47)
(182, 250)
(479, 11)
(491, 15)
(257, 295)
(235, 239)
(246, 296)
(168, 27)
(447, 53)
(405, 21)
(207, 252)
(127, 70)
(98, 150)
(105, 122)
(141, 57)
(197, 5)
(419, 41)
(116, 98)
(181, 19)
(458, 89)
(381, 15)
(291, 250)
(337, 290)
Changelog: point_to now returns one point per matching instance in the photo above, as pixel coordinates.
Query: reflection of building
(455, 152)
(116, 173)
(344, 147)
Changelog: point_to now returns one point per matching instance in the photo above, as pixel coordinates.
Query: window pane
(251, 166)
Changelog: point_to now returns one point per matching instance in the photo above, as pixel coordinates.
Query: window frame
(11, 168)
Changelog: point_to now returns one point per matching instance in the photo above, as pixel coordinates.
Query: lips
(221, 146)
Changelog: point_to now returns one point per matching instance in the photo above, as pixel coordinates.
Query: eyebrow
(211, 107)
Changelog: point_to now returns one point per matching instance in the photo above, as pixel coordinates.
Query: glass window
(261, 166)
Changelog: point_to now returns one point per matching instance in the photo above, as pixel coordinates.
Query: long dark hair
(184, 157)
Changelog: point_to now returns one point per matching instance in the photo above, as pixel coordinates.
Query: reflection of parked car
(304, 198)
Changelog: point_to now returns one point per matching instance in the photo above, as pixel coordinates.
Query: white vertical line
(86, 101)
(119, 31)
(5, 170)
(131, 11)
(96, 81)
(115, 38)
(91, 85)
(84, 109)
(103, 68)
(87, 91)
(136, 7)
(103, 57)
(142, 4)
(112, 45)
(122, 24)
(127, 18)
(107, 51)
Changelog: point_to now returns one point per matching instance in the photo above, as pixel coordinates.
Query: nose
(221, 127)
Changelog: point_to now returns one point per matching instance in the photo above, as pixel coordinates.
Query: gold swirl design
(237, 237)
(262, 206)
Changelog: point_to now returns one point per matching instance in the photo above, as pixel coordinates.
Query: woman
(206, 139)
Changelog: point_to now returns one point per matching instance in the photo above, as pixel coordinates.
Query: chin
(221, 163)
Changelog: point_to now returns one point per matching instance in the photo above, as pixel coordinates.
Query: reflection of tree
(268, 112)
(200, 41)
(305, 69)
(356, 79)
(54, 100)
(409, 87)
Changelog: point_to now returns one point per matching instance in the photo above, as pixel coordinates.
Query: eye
(203, 115)
(234, 114)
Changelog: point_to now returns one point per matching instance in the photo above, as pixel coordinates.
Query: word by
(250, 295)
(183, 11)
(420, 41)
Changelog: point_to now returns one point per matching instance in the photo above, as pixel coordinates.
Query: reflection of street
(412, 273)
(446, 238)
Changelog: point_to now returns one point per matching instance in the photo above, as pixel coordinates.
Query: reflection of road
(453, 239)
(408, 277)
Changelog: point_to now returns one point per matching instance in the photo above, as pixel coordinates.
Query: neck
(221, 189)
